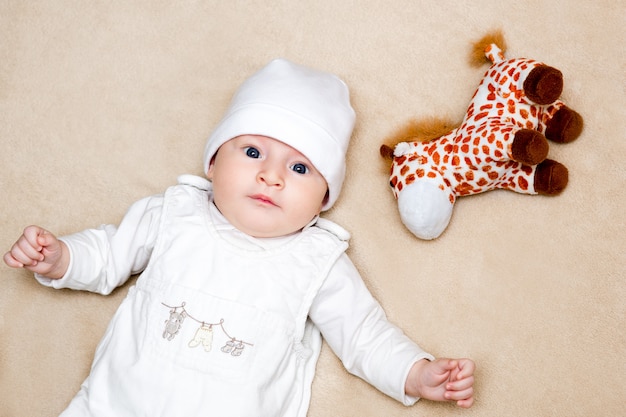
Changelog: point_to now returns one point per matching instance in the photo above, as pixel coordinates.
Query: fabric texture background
(103, 103)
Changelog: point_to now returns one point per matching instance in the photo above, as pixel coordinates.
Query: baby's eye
(300, 168)
(252, 152)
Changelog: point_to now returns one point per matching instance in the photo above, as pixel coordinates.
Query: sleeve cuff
(406, 399)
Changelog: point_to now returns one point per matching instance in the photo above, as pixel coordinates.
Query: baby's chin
(270, 234)
(266, 225)
(268, 231)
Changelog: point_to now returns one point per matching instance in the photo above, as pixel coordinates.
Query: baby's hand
(443, 380)
(39, 251)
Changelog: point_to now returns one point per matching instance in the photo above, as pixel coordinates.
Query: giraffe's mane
(415, 130)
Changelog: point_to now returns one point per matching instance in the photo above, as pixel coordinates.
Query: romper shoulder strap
(194, 181)
(333, 228)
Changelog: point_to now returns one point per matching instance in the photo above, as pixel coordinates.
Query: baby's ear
(209, 172)
(326, 197)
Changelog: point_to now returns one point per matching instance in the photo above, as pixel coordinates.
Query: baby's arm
(370, 348)
(443, 380)
(39, 251)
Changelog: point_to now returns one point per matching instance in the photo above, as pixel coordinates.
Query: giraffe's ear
(386, 151)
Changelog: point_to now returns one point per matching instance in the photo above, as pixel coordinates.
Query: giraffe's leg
(564, 126)
(550, 177)
(529, 147)
(544, 84)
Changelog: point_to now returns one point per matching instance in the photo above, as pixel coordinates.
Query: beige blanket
(105, 102)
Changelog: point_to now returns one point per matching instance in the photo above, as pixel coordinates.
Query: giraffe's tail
(490, 48)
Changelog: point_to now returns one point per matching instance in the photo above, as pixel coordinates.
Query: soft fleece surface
(102, 103)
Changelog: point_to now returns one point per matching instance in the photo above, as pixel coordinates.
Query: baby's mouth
(263, 199)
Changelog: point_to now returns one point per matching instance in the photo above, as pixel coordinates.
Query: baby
(240, 277)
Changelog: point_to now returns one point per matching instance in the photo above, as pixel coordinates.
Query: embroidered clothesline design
(204, 334)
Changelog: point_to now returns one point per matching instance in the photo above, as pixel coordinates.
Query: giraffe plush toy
(501, 142)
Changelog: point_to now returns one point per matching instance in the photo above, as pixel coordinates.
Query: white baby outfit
(220, 323)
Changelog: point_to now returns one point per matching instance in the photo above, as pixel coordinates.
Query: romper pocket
(202, 332)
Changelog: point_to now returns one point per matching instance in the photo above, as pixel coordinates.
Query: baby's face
(264, 187)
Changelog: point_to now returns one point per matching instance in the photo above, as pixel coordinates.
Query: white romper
(216, 325)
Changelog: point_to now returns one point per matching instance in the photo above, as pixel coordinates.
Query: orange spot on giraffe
(481, 115)
(511, 106)
(523, 184)
(527, 169)
(464, 188)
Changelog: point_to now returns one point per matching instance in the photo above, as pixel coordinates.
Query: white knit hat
(307, 109)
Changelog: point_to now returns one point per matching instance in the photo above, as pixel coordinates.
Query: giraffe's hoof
(550, 177)
(529, 147)
(565, 126)
(544, 84)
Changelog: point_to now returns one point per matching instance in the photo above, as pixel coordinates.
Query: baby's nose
(271, 177)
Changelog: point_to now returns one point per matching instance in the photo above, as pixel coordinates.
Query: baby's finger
(25, 252)
(31, 233)
(459, 395)
(11, 261)
(446, 364)
(461, 384)
(46, 238)
(455, 373)
(466, 403)
(466, 367)
(20, 257)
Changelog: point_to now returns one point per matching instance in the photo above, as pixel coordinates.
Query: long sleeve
(356, 328)
(104, 258)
